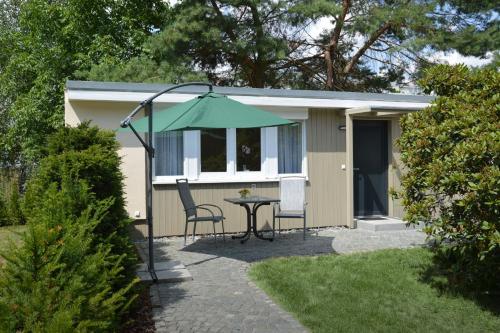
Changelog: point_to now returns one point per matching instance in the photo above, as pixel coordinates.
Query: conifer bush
(89, 154)
(10, 208)
(74, 270)
(57, 280)
(451, 153)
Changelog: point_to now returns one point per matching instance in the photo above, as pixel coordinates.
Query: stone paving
(221, 298)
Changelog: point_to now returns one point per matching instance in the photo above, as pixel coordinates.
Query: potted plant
(244, 193)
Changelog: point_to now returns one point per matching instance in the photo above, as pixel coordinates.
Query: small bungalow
(344, 144)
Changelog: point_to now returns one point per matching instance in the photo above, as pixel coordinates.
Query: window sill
(223, 180)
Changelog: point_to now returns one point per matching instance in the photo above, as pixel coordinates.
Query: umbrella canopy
(210, 110)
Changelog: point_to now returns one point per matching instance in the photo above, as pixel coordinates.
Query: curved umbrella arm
(126, 122)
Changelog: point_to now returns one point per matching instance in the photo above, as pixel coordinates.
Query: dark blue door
(370, 150)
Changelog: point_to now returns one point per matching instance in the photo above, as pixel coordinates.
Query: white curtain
(169, 154)
(290, 149)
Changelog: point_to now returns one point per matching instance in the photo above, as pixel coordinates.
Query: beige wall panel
(326, 154)
(170, 218)
(108, 116)
(395, 169)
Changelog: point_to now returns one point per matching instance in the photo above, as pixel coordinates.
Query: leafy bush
(452, 154)
(58, 280)
(88, 154)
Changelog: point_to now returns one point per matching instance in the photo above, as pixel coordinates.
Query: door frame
(366, 113)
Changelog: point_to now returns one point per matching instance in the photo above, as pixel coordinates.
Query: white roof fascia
(121, 96)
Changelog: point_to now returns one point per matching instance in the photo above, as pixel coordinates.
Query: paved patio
(221, 298)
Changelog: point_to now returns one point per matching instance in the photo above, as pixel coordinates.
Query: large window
(248, 147)
(169, 151)
(290, 149)
(230, 155)
(213, 150)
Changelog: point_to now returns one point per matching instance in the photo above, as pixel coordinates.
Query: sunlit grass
(368, 292)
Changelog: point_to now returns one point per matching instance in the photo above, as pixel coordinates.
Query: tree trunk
(329, 69)
(331, 48)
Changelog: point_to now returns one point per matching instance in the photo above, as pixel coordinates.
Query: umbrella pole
(148, 108)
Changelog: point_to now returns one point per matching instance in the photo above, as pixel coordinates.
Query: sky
(451, 57)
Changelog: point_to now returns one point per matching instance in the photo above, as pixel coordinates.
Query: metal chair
(191, 210)
(292, 203)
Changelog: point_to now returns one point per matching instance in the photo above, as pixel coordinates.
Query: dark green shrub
(14, 206)
(88, 154)
(4, 214)
(451, 151)
(57, 279)
(10, 210)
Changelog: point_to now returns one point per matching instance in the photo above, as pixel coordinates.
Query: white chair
(292, 203)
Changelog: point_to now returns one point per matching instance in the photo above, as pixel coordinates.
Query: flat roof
(240, 91)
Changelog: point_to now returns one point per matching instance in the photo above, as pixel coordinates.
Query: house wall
(326, 186)
(108, 116)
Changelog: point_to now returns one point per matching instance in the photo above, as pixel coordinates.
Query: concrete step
(384, 224)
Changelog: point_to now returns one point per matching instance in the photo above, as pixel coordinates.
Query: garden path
(221, 298)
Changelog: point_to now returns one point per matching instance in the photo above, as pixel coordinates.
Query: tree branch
(339, 23)
(373, 38)
(220, 16)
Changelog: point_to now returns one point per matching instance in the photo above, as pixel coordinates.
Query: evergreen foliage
(74, 269)
(58, 279)
(369, 46)
(451, 151)
(10, 208)
(88, 154)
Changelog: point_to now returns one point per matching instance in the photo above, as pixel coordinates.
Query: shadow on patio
(286, 244)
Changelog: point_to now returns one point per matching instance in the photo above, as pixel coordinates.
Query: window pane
(169, 154)
(290, 148)
(213, 150)
(248, 149)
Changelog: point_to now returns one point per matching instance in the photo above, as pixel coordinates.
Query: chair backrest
(292, 193)
(186, 198)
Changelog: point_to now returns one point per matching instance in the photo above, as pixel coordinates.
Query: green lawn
(7, 233)
(368, 292)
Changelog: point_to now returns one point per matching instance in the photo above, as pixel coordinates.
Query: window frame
(269, 159)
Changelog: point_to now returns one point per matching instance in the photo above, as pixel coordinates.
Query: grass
(9, 232)
(379, 291)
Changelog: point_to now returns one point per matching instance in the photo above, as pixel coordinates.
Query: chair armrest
(203, 208)
(210, 205)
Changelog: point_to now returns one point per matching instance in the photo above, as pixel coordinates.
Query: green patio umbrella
(209, 110)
